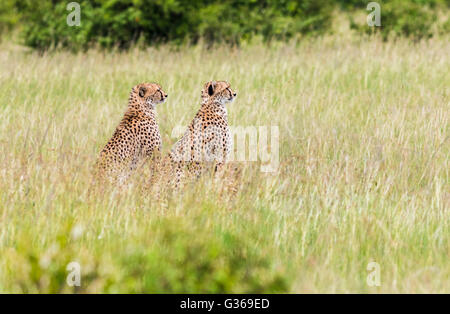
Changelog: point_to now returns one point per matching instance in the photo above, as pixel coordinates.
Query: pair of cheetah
(137, 139)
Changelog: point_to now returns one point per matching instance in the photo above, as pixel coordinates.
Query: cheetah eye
(142, 91)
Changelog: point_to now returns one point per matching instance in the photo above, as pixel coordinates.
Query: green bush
(175, 259)
(114, 23)
(197, 262)
(9, 15)
(121, 23)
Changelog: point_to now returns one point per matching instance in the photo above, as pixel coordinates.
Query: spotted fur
(207, 140)
(137, 136)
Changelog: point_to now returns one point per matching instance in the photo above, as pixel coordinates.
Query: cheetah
(207, 140)
(137, 137)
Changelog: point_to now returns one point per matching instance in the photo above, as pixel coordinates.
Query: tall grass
(363, 175)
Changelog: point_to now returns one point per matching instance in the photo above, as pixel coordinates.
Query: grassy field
(363, 174)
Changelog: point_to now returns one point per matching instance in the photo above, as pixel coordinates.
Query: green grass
(363, 175)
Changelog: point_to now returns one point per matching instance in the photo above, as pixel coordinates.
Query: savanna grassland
(363, 174)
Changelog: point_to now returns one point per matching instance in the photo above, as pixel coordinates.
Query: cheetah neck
(142, 109)
(215, 107)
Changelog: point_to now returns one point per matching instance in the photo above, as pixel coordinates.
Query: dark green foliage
(197, 262)
(121, 23)
(175, 259)
(9, 15)
(114, 23)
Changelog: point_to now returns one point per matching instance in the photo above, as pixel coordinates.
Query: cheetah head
(219, 91)
(149, 94)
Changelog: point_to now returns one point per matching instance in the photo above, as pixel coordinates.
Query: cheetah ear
(211, 88)
(142, 91)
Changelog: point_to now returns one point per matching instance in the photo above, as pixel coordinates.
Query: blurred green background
(113, 23)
